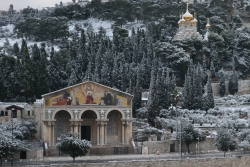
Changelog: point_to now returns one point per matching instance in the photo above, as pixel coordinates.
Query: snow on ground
(8, 31)
(107, 25)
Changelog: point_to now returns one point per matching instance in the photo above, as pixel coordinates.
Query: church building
(100, 114)
(188, 27)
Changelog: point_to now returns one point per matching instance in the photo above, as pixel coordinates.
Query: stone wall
(164, 146)
(210, 162)
(243, 87)
(35, 153)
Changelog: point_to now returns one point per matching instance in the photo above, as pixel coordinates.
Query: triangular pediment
(88, 93)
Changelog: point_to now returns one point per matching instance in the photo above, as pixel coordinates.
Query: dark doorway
(172, 147)
(23, 155)
(86, 132)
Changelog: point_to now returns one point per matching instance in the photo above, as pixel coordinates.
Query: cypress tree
(210, 96)
(212, 69)
(153, 102)
(222, 83)
(26, 71)
(233, 83)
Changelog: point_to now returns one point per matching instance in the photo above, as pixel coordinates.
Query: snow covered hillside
(8, 37)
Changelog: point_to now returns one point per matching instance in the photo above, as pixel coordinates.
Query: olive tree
(73, 146)
(224, 141)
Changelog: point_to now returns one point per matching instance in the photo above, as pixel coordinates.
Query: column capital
(49, 122)
(126, 122)
(75, 121)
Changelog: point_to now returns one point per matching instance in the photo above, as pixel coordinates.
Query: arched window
(28, 112)
(112, 123)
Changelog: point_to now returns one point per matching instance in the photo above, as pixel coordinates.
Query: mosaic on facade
(88, 93)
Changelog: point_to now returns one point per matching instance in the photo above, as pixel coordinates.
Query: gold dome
(194, 21)
(181, 21)
(187, 15)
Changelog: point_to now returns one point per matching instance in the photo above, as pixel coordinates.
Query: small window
(6, 113)
(28, 112)
(2, 113)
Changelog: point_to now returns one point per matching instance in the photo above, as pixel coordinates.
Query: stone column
(79, 130)
(52, 130)
(122, 132)
(102, 133)
(76, 127)
(72, 127)
(49, 133)
(98, 133)
(105, 134)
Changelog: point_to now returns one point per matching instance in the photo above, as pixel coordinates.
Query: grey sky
(20, 4)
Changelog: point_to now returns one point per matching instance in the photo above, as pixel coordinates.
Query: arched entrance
(114, 127)
(89, 125)
(62, 124)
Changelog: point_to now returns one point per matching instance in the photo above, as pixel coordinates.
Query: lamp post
(12, 133)
(176, 95)
(198, 147)
(181, 137)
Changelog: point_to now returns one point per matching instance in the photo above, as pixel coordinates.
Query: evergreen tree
(153, 102)
(222, 83)
(43, 74)
(233, 83)
(137, 92)
(26, 71)
(36, 60)
(192, 92)
(210, 96)
(212, 69)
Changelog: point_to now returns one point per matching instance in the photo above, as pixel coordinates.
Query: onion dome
(187, 16)
(182, 21)
(194, 21)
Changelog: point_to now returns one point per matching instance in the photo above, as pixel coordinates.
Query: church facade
(98, 113)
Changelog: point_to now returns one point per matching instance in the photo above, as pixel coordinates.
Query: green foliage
(153, 101)
(188, 134)
(233, 83)
(43, 29)
(70, 144)
(222, 85)
(224, 141)
(192, 92)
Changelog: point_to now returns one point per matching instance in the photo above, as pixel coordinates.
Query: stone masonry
(209, 162)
